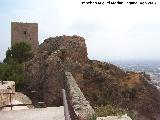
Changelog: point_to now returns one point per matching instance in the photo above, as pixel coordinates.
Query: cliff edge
(101, 82)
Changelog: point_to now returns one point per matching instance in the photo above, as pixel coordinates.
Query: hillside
(102, 83)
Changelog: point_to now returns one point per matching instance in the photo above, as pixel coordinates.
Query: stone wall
(25, 32)
(81, 106)
(8, 87)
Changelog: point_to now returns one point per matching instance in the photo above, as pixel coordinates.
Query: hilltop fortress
(101, 83)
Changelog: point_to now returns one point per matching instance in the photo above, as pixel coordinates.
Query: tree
(13, 69)
(18, 53)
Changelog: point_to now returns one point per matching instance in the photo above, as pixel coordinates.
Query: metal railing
(69, 111)
(10, 100)
(66, 111)
(42, 104)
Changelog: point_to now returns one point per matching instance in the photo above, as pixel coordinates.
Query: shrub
(13, 69)
(110, 110)
(14, 73)
(18, 53)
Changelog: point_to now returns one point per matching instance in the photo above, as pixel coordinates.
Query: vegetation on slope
(18, 53)
(110, 110)
(13, 69)
(105, 84)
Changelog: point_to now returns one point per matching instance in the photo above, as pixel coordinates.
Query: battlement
(25, 32)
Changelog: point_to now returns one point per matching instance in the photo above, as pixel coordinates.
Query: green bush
(13, 69)
(18, 53)
(14, 73)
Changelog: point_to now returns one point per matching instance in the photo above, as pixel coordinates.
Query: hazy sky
(111, 31)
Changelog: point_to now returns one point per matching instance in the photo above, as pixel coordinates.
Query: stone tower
(25, 32)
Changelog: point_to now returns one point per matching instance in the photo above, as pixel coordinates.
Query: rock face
(23, 98)
(45, 69)
(101, 83)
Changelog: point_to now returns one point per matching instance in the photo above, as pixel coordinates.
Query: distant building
(25, 32)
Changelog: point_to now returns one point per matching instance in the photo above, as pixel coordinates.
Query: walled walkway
(15, 107)
(49, 113)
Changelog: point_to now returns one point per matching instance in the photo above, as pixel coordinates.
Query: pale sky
(112, 32)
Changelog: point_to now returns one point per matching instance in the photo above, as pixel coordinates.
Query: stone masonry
(81, 106)
(8, 87)
(25, 32)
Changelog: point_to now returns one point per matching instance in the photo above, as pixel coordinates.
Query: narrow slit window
(25, 32)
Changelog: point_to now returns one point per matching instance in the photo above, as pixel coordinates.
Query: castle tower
(25, 32)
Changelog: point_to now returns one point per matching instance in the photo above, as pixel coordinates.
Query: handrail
(72, 113)
(66, 111)
(12, 105)
(10, 98)
(8, 93)
(15, 105)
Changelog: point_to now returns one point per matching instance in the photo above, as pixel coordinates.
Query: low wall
(81, 106)
(7, 87)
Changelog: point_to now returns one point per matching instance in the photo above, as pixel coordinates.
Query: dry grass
(110, 110)
(131, 80)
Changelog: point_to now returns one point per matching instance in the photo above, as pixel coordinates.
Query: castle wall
(80, 104)
(25, 32)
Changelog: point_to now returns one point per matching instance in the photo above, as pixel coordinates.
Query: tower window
(25, 32)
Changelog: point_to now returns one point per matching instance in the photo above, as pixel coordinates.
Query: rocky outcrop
(54, 56)
(23, 98)
(101, 82)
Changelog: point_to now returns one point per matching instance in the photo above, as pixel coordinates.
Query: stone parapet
(81, 106)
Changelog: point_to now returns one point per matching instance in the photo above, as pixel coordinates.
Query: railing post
(66, 111)
(10, 95)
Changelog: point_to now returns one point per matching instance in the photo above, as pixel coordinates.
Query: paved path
(15, 107)
(49, 113)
